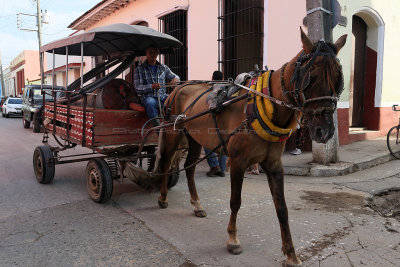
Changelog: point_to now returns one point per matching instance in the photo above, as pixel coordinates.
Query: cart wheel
(43, 164)
(98, 180)
(173, 179)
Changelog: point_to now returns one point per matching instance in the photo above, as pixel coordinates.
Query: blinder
(301, 78)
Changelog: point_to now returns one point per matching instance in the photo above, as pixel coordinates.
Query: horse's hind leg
(275, 180)
(192, 157)
(237, 171)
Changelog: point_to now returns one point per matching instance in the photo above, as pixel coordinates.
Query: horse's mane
(327, 68)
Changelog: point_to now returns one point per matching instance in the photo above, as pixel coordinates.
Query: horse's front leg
(167, 145)
(276, 185)
(192, 156)
(237, 172)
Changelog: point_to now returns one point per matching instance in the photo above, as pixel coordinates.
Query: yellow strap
(268, 106)
(262, 133)
(266, 110)
(262, 111)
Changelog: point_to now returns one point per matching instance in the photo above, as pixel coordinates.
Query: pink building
(233, 35)
(217, 34)
(25, 68)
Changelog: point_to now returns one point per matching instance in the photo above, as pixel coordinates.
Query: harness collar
(261, 112)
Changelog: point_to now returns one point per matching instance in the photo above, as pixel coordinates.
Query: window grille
(175, 24)
(241, 24)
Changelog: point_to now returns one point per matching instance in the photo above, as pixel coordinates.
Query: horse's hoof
(200, 213)
(289, 263)
(163, 204)
(235, 249)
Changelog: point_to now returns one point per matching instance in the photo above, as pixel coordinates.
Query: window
(175, 24)
(14, 101)
(241, 24)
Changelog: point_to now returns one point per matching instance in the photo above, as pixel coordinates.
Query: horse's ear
(341, 42)
(307, 44)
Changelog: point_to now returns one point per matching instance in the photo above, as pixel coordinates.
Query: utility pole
(319, 23)
(2, 78)
(39, 31)
(39, 20)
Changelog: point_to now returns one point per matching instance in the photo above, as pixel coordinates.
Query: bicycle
(393, 138)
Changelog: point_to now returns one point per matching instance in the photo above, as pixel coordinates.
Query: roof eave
(97, 13)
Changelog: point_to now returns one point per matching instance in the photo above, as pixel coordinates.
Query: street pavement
(58, 225)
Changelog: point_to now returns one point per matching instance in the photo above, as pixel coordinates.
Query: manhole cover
(386, 203)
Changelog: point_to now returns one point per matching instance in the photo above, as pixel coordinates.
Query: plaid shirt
(145, 77)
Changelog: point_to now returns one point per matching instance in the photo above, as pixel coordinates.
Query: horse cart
(100, 110)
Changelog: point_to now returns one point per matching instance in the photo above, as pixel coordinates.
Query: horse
(309, 84)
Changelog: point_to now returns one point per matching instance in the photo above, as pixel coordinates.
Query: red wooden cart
(76, 118)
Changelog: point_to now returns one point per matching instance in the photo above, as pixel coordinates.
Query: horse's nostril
(318, 132)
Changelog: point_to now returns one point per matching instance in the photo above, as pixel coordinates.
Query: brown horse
(311, 81)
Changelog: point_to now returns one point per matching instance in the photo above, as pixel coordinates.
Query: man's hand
(174, 81)
(155, 86)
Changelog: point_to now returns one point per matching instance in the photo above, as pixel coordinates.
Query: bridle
(301, 79)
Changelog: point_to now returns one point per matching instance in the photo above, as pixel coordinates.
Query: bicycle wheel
(393, 141)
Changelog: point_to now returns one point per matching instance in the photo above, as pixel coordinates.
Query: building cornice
(97, 13)
(62, 68)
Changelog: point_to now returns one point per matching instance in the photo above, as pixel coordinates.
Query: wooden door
(357, 90)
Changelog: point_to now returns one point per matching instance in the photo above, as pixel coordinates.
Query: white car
(12, 106)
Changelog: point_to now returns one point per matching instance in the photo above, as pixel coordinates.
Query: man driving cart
(150, 80)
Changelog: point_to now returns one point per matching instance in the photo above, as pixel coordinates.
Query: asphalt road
(58, 225)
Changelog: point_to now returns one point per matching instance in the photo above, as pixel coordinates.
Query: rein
(272, 99)
(244, 122)
(185, 119)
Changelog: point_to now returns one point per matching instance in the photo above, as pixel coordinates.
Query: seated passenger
(150, 77)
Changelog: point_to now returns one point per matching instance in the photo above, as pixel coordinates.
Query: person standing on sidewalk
(216, 162)
(150, 79)
(299, 140)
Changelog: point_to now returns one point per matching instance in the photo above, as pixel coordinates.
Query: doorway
(357, 92)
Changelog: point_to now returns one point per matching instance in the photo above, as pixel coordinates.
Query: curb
(335, 169)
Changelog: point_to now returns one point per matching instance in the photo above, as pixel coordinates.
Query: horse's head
(318, 82)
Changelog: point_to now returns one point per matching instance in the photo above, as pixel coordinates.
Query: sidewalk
(352, 157)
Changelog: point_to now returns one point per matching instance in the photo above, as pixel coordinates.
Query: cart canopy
(113, 39)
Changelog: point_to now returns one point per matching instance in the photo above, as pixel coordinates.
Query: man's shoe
(213, 172)
(220, 173)
(297, 151)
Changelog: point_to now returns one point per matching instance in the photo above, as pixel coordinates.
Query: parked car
(32, 102)
(12, 106)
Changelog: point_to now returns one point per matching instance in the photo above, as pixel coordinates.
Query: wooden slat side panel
(73, 121)
(119, 140)
(73, 113)
(123, 118)
(114, 132)
(75, 136)
(50, 106)
(103, 126)
(112, 127)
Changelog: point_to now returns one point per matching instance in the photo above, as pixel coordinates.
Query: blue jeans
(150, 104)
(215, 160)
